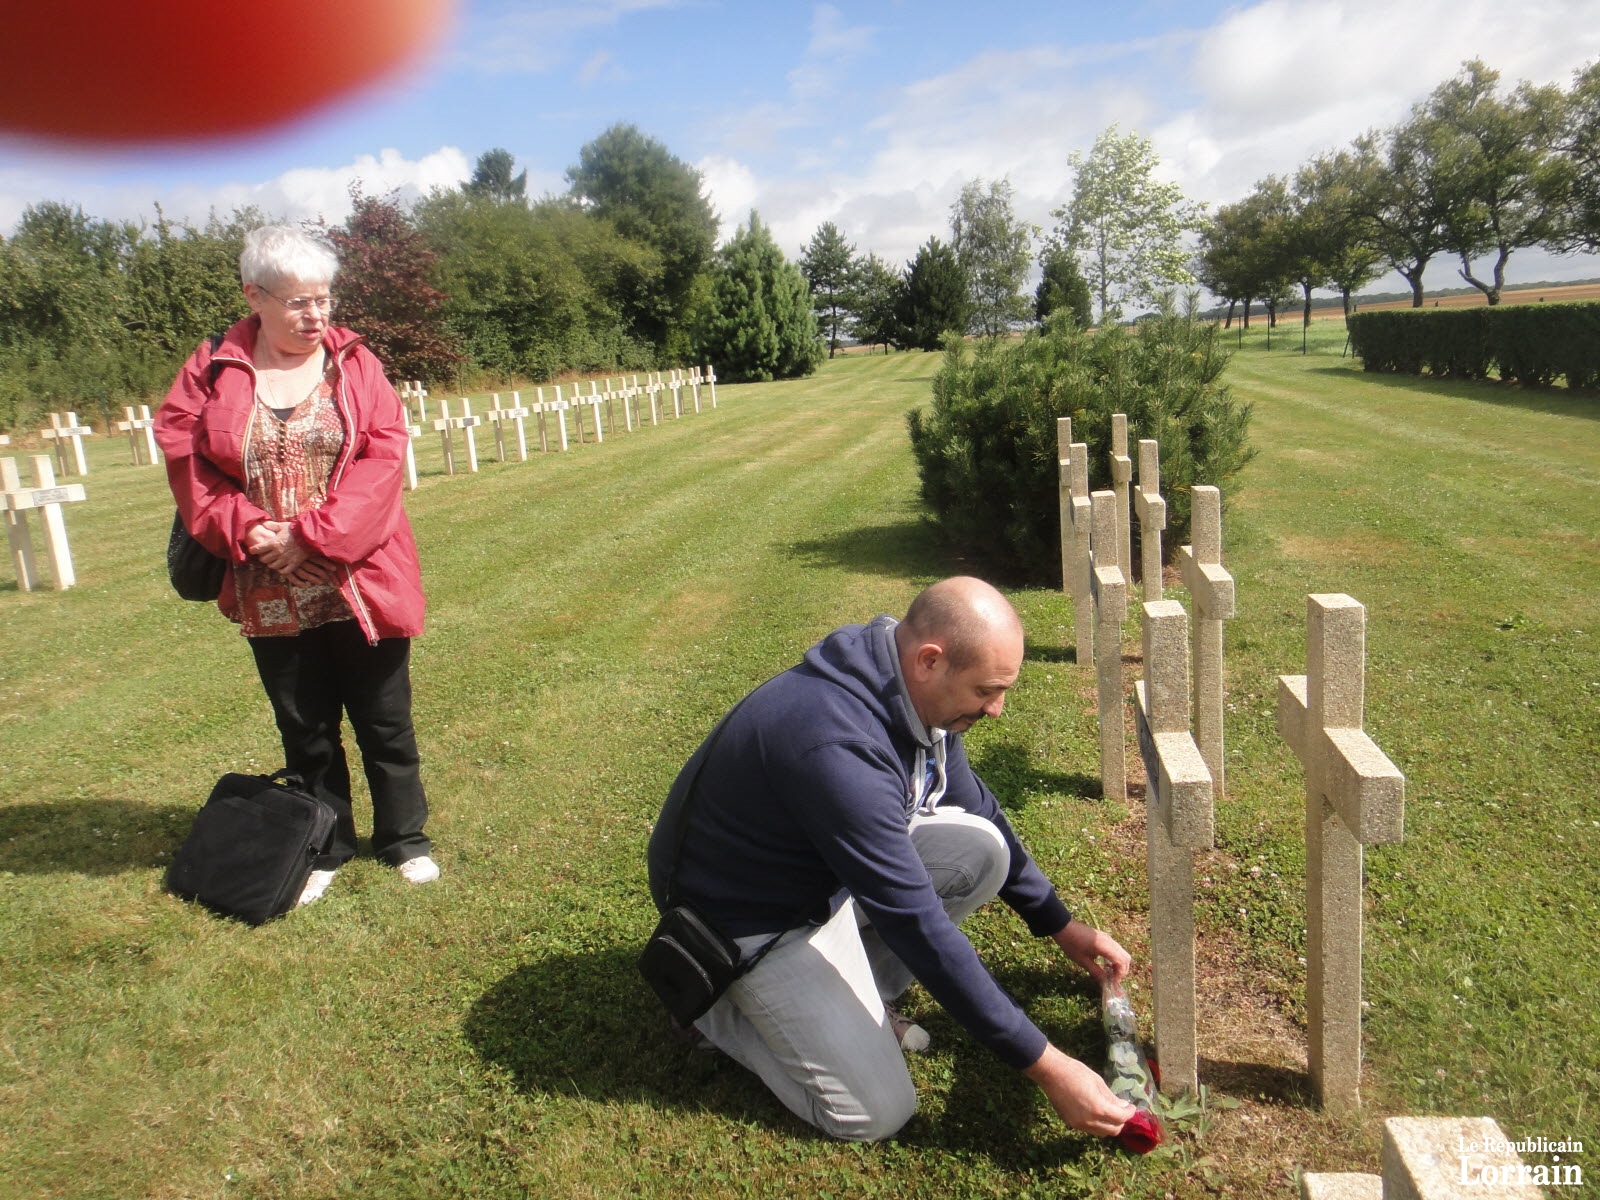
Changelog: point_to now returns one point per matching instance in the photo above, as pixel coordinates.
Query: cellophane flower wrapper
(1128, 1071)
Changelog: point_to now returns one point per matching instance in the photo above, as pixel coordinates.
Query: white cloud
(299, 194)
(731, 187)
(535, 36)
(1264, 88)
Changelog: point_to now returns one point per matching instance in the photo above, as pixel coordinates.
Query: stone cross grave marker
(611, 408)
(1121, 477)
(711, 382)
(1078, 572)
(593, 401)
(1355, 797)
(1110, 610)
(694, 387)
(141, 431)
(446, 440)
(627, 390)
(677, 398)
(652, 389)
(413, 432)
(1445, 1158)
(415, 391)
(1152, 513)
(46, 498)
(1211, 587)
(512, 415)
(62, 432)
(559, 407)
(1179, 821)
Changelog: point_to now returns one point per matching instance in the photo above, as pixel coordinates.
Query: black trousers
(322, 674)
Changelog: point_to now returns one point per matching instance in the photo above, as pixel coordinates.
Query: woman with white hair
(285, 448)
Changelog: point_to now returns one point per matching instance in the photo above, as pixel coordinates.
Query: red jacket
(362, 526)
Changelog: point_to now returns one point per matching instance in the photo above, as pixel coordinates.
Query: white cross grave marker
(593, 401)
(141, 431)
(1075, 524)
(694, 387)
(1355, 797)
(413, 432)
(1152, 512)
(559, 407)
(711, 380)
(677, 402)
(1121, 475)
(1110, 610)
(1179, 821)
(63, 431)
(1211, 587)
(1082, 510)
(652, 389)
(446, 438)
(47, 498)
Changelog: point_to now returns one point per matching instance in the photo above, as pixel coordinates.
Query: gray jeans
(809, 1019)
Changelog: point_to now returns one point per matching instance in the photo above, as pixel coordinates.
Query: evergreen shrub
(1525, 343)
(986, 446)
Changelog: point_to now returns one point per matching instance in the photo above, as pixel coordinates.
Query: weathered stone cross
(1211, 587)
(61, 432)
(1121, 476)
(1072, 464)
(141, 431)
(1355, 797)
(1179, 820)
(1110, 610)
(1152, 512)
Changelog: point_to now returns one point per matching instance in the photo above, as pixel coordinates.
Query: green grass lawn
(591, 615)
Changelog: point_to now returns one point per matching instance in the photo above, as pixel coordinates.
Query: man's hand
(1079, 1096)
(1087, 946)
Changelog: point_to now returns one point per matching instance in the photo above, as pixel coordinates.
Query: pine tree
(935, 298)
(828, 265)
(759, 325)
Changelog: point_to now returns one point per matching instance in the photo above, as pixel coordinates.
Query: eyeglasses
(299, 304)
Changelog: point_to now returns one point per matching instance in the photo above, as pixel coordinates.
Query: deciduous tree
(877, 302)
(492, 178)
(651, 196)
(1126, 225)
(1501, 180)
(993, 248)
(386, 289)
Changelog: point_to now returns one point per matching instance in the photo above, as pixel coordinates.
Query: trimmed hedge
(1525, 343)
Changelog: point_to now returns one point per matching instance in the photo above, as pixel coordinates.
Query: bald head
(963, 615)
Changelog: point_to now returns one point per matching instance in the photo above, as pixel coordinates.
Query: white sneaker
(419, 870)
(913, 1038)
(316, 883)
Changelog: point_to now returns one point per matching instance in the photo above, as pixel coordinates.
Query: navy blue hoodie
(806, 798)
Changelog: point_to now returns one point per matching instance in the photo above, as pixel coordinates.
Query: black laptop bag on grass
(251, 847)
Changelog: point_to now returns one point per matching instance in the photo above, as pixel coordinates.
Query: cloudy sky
(870, 114)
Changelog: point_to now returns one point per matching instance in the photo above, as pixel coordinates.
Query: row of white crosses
(573, 400)
(1354, 794)
(141, 431)
(45, 498)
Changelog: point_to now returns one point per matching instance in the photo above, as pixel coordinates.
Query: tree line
(1475, 172)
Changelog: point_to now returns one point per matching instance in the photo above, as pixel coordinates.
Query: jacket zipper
(360, 606)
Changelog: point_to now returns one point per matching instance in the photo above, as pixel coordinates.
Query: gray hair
(275, 253)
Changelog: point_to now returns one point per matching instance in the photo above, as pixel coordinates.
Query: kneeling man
(835, 812)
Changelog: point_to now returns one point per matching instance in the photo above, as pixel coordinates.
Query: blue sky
(869, 114)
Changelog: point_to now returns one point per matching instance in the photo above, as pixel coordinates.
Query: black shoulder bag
(195, 572)
(688, 962)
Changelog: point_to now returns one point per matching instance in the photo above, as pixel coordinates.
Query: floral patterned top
(288, 462)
